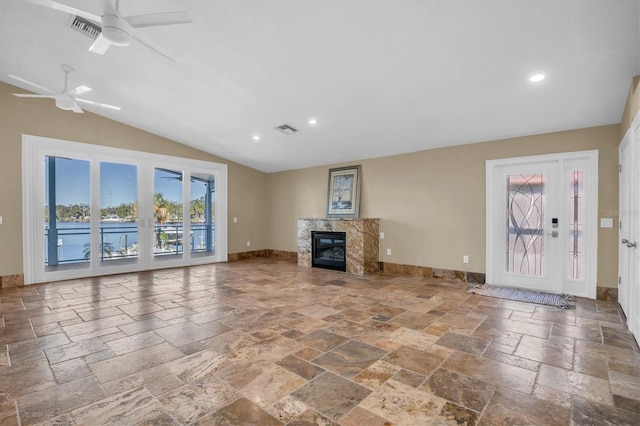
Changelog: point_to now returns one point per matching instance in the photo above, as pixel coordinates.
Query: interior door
(625, 264)
(542, 223)
(630, 228)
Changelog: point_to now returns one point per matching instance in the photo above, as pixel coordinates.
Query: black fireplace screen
(329, 250)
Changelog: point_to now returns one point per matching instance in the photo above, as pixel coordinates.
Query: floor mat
(521, 295)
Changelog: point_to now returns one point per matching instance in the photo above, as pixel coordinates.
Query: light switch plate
(606, 222)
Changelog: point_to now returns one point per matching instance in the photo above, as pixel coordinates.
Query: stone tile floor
(264, 342)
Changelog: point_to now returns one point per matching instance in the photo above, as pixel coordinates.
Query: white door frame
(34, 150)
(586, 287)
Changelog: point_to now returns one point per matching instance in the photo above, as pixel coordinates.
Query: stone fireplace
(360, 240)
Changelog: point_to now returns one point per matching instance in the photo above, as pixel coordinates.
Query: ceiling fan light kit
(65, 102)
(116, 30)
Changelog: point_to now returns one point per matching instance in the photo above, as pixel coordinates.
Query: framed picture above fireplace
(343, 199)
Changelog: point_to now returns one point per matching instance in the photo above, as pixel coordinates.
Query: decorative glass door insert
(525, 224)
(576, 224)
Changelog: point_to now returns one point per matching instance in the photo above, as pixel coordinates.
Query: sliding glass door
(87, 212)
(202, 214)
(118, 230)
(67, 213)
(168, 214)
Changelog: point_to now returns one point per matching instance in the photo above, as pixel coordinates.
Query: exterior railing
(168, 239)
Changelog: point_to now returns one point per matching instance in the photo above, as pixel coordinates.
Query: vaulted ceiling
(380, 77)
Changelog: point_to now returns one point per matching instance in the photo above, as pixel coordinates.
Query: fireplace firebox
(329, 250)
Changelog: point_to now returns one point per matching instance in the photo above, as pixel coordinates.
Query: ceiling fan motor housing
(116, 30)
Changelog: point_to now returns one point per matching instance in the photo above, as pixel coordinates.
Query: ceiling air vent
(286, 129)
(86, 27)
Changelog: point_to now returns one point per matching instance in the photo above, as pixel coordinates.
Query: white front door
(542, 223)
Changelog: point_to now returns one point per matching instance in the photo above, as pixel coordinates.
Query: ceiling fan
(118, 30)
(67, 99)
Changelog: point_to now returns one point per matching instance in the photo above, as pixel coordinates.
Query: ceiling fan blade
(79, 90)
(68, 9)
(37, 86)
(76, 108)
(158, 19)
(100, 45)
(156, 48)
(26, 95)
(86, 101)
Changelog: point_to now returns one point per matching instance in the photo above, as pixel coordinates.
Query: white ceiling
(381, 77)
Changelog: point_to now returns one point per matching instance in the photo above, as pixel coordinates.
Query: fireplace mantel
(362, 235)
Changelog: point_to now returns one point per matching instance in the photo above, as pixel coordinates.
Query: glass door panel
(525, 224)
(118, 214)
(168, 215)
(202, 212)
(67, 214)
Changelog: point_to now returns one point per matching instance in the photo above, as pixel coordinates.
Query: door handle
(554, 234)
(624, 241)
(632, 245)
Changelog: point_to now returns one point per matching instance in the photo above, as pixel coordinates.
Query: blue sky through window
(118, 183)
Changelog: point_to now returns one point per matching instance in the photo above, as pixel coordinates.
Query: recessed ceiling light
(256, 137)
(313, 121)
(536, 78)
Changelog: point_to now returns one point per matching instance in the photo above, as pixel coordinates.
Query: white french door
(542, 222)
(90, 210)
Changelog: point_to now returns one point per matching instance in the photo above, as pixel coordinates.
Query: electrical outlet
(235, 220)
(388, 252)
(465, 259)
(382, 235)
(248, 243)
(0, 220)
(606, 222)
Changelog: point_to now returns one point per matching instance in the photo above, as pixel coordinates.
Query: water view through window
(67, 212)
(118, 212)
(68, 226)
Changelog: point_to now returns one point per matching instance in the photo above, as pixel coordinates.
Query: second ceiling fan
(118, 30)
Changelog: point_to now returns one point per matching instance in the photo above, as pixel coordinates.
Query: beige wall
(432, 203)
(247, 187)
